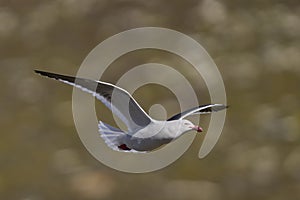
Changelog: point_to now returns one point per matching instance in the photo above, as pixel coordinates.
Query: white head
(178, 127)
(187, 125)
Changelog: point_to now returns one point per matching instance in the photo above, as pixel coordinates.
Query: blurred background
(255, 44)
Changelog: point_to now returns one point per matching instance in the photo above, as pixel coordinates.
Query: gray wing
(204, 109)
(118, 100)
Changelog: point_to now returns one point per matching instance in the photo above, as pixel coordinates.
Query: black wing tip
(43, 73)
(37, 71)
(51, 75)
(226, 106)
(223, 106)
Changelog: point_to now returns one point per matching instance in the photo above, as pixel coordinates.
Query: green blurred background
(255, 44)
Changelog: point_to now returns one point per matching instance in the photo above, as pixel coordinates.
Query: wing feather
(203, 109)
(118, 100)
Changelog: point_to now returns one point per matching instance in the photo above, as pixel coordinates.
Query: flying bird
(144, 134)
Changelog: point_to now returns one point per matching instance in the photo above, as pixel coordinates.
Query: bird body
(144, 134)
(148, 138)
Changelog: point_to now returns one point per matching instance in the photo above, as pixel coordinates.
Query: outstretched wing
(118, 100)
(204, 109)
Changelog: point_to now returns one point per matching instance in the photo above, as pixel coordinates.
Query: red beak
(198, 129)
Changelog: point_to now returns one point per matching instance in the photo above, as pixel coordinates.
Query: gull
(143, 133)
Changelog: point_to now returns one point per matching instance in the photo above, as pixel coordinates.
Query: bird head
(187, 125)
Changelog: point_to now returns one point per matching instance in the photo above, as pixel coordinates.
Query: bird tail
(112, 136)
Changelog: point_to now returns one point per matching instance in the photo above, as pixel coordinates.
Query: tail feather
(112, 136)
